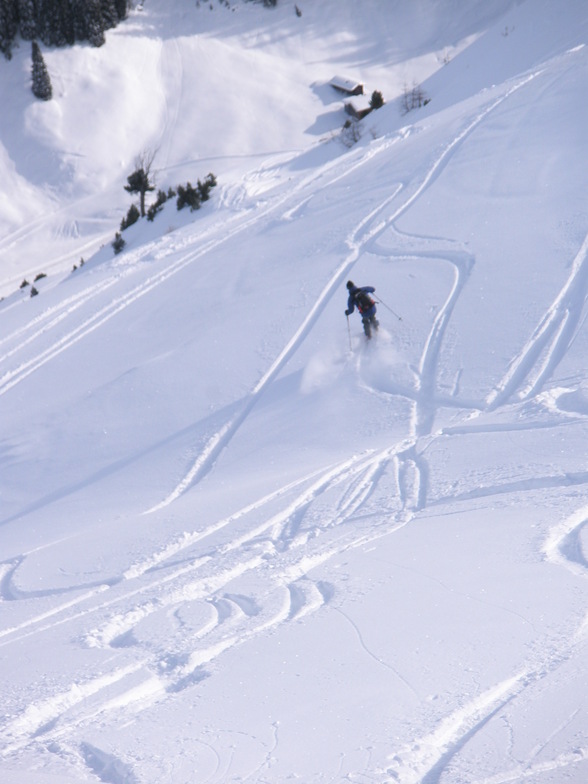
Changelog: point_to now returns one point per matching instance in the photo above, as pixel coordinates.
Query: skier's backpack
(364, 301)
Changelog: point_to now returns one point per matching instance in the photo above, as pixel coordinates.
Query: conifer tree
(131, 217)
(118, 243)
(377, 100)
(121, 8)
(79, 20)
(205, 187)
(157, 205)
(109, 15)
(58, 22)
(188, 195)
(41, 81)
(140, 180)
(27, 13)
(87, 21)
(94, 23)
(8, 26)
(55, 22)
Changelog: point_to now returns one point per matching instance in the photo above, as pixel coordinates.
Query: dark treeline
(58, 22)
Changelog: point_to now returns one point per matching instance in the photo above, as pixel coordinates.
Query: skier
(365, 305)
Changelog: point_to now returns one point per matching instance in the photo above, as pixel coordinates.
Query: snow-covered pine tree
(27, 13)
(109, 15)
(8, 26)
(121, 8)
(58, 22)
(79, 20)
(94, 23)
(41, 81)
(55, 22)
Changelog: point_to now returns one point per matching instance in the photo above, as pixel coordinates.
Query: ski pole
(349, 333)
(381, 301)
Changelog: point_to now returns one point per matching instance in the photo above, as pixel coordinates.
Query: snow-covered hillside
(238, 542)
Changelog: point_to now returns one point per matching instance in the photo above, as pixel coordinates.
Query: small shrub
(40, 276)
(24, 284)
(205, 187)
(377, 100)
(118, 243)
(34, 292)
(132, 216)
(413, 99)
(188, 196)
(157, 205)
(351, 133)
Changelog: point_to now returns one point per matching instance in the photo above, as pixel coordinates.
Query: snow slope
(239, 543)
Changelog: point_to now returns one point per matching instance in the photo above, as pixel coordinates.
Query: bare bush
(413, 98)
(351, 132)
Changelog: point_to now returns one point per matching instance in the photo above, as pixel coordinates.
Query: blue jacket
(351, 303)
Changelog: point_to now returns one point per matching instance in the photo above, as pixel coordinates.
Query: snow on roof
(346, 85)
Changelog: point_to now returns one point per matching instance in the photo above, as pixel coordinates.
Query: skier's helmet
(350, 285)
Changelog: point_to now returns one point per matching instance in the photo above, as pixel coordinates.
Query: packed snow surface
(239, 542)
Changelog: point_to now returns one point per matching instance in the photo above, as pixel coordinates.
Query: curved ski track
(278, 540)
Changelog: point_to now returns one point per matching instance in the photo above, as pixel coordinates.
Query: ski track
(360, 239)
(549, 341)
(184, 575)
(170, 62)
(162, 672)
(425, 761)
